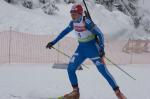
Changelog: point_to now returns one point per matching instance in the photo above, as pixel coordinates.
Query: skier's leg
(104, 71)
(93, 54)
(74, 63)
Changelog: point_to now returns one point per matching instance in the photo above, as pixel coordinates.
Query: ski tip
(61, 97)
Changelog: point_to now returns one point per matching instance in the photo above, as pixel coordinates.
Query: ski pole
(67, 55)
(120, 68)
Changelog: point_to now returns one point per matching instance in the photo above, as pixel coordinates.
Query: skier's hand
(101, 52)
(49, 45)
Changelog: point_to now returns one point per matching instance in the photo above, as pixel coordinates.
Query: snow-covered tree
(28, 4)
(50, 7)
(98, 1)
(145, 22)
(58, 1)
(9, 1)
(129, 7)
(43, 1)
(70, 1)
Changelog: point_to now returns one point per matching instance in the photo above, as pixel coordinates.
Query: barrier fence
(17, 47)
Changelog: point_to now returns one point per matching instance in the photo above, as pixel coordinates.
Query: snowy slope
(33, 21)
(144, 11)
(144, 4)
(40, 80)
(113, 24)
(36, 22)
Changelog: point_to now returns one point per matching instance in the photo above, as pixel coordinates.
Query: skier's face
(75, 16)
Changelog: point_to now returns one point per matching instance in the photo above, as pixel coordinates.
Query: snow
(36, 22)
(112, 23)
(144, 4)
(33, 21)
(32, 81)
(40, 80)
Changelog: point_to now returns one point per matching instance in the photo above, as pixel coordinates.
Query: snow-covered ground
(40, 80)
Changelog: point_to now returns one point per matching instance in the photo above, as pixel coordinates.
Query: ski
(26, 97)
(61, 97)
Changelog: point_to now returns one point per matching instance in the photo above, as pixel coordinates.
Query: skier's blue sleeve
(63, 33)
(95, 30)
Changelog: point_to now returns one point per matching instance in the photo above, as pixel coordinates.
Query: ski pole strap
(67, 55)
(120, 68)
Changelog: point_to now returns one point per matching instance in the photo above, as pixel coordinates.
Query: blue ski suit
(87, 48)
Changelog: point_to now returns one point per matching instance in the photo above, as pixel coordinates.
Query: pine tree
(43, 1)
(28, 4)
(50, 7)
(9, 1)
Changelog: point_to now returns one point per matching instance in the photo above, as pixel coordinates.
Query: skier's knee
(70, 69)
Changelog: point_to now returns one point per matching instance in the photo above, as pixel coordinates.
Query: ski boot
(73, 95)
(119, 94)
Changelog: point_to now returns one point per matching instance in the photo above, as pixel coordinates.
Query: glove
(49, 45)
(101, 52)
